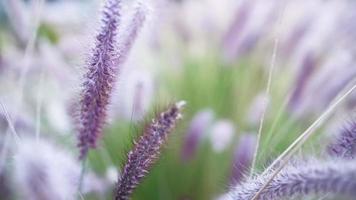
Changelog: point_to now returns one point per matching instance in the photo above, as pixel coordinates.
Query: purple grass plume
(197, 128)
(106, 60)
(233, 35)
(243, 157)
(131, 32)
(43, 171)
(344, 145)
(332, 177)
(147, 150)
(306, 70)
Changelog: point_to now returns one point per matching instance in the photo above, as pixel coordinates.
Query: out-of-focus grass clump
(245, 69)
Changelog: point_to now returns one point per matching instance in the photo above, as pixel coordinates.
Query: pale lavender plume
(293, 40)
(147, 150)
(299, 180)
(221, 135)
(43, 171)
(131, 32)
(197, 128)
(142, 97)
(231, 39)
(344, 145)
(330, 78)
(247, 38)
(345, 74)
(248, 43)
(137, 93)
(309, 65)
(243, 156)
(106, 60)
(345, 27)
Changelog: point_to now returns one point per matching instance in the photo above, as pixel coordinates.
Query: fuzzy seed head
(336, 177)
(107, 59)
(146, 150)
(99, 79)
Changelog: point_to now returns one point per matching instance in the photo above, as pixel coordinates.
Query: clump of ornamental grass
(147, 150)
(49, 175)
(104, 63)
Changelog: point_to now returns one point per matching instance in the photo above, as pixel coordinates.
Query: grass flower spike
(99, 79)
(303, 179)
(147, 150)
(103, 66)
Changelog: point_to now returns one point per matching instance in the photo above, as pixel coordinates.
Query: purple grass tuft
(103, 66)
(147, 150)
(303, 179)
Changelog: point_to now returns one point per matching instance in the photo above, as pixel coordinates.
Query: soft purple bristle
(105, 62)
(146, 151)
(344, 145)
(303, 179)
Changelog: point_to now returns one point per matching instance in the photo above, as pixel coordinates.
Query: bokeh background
(219, 56)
